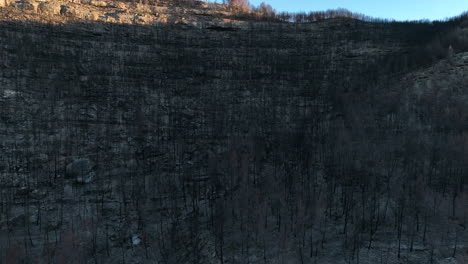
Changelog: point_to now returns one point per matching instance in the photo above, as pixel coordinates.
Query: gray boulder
(81, 170)
(67, 11)
(25, 5)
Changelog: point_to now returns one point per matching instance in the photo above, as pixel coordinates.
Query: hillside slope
(340, 141)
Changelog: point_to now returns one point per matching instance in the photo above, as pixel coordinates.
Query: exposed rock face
(241, 143)
(117, 11)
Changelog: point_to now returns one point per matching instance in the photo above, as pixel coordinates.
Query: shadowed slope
(326, 142)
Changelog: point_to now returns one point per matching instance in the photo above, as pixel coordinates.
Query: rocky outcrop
(117, 11)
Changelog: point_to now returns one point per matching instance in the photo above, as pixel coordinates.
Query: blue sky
(396, 9)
